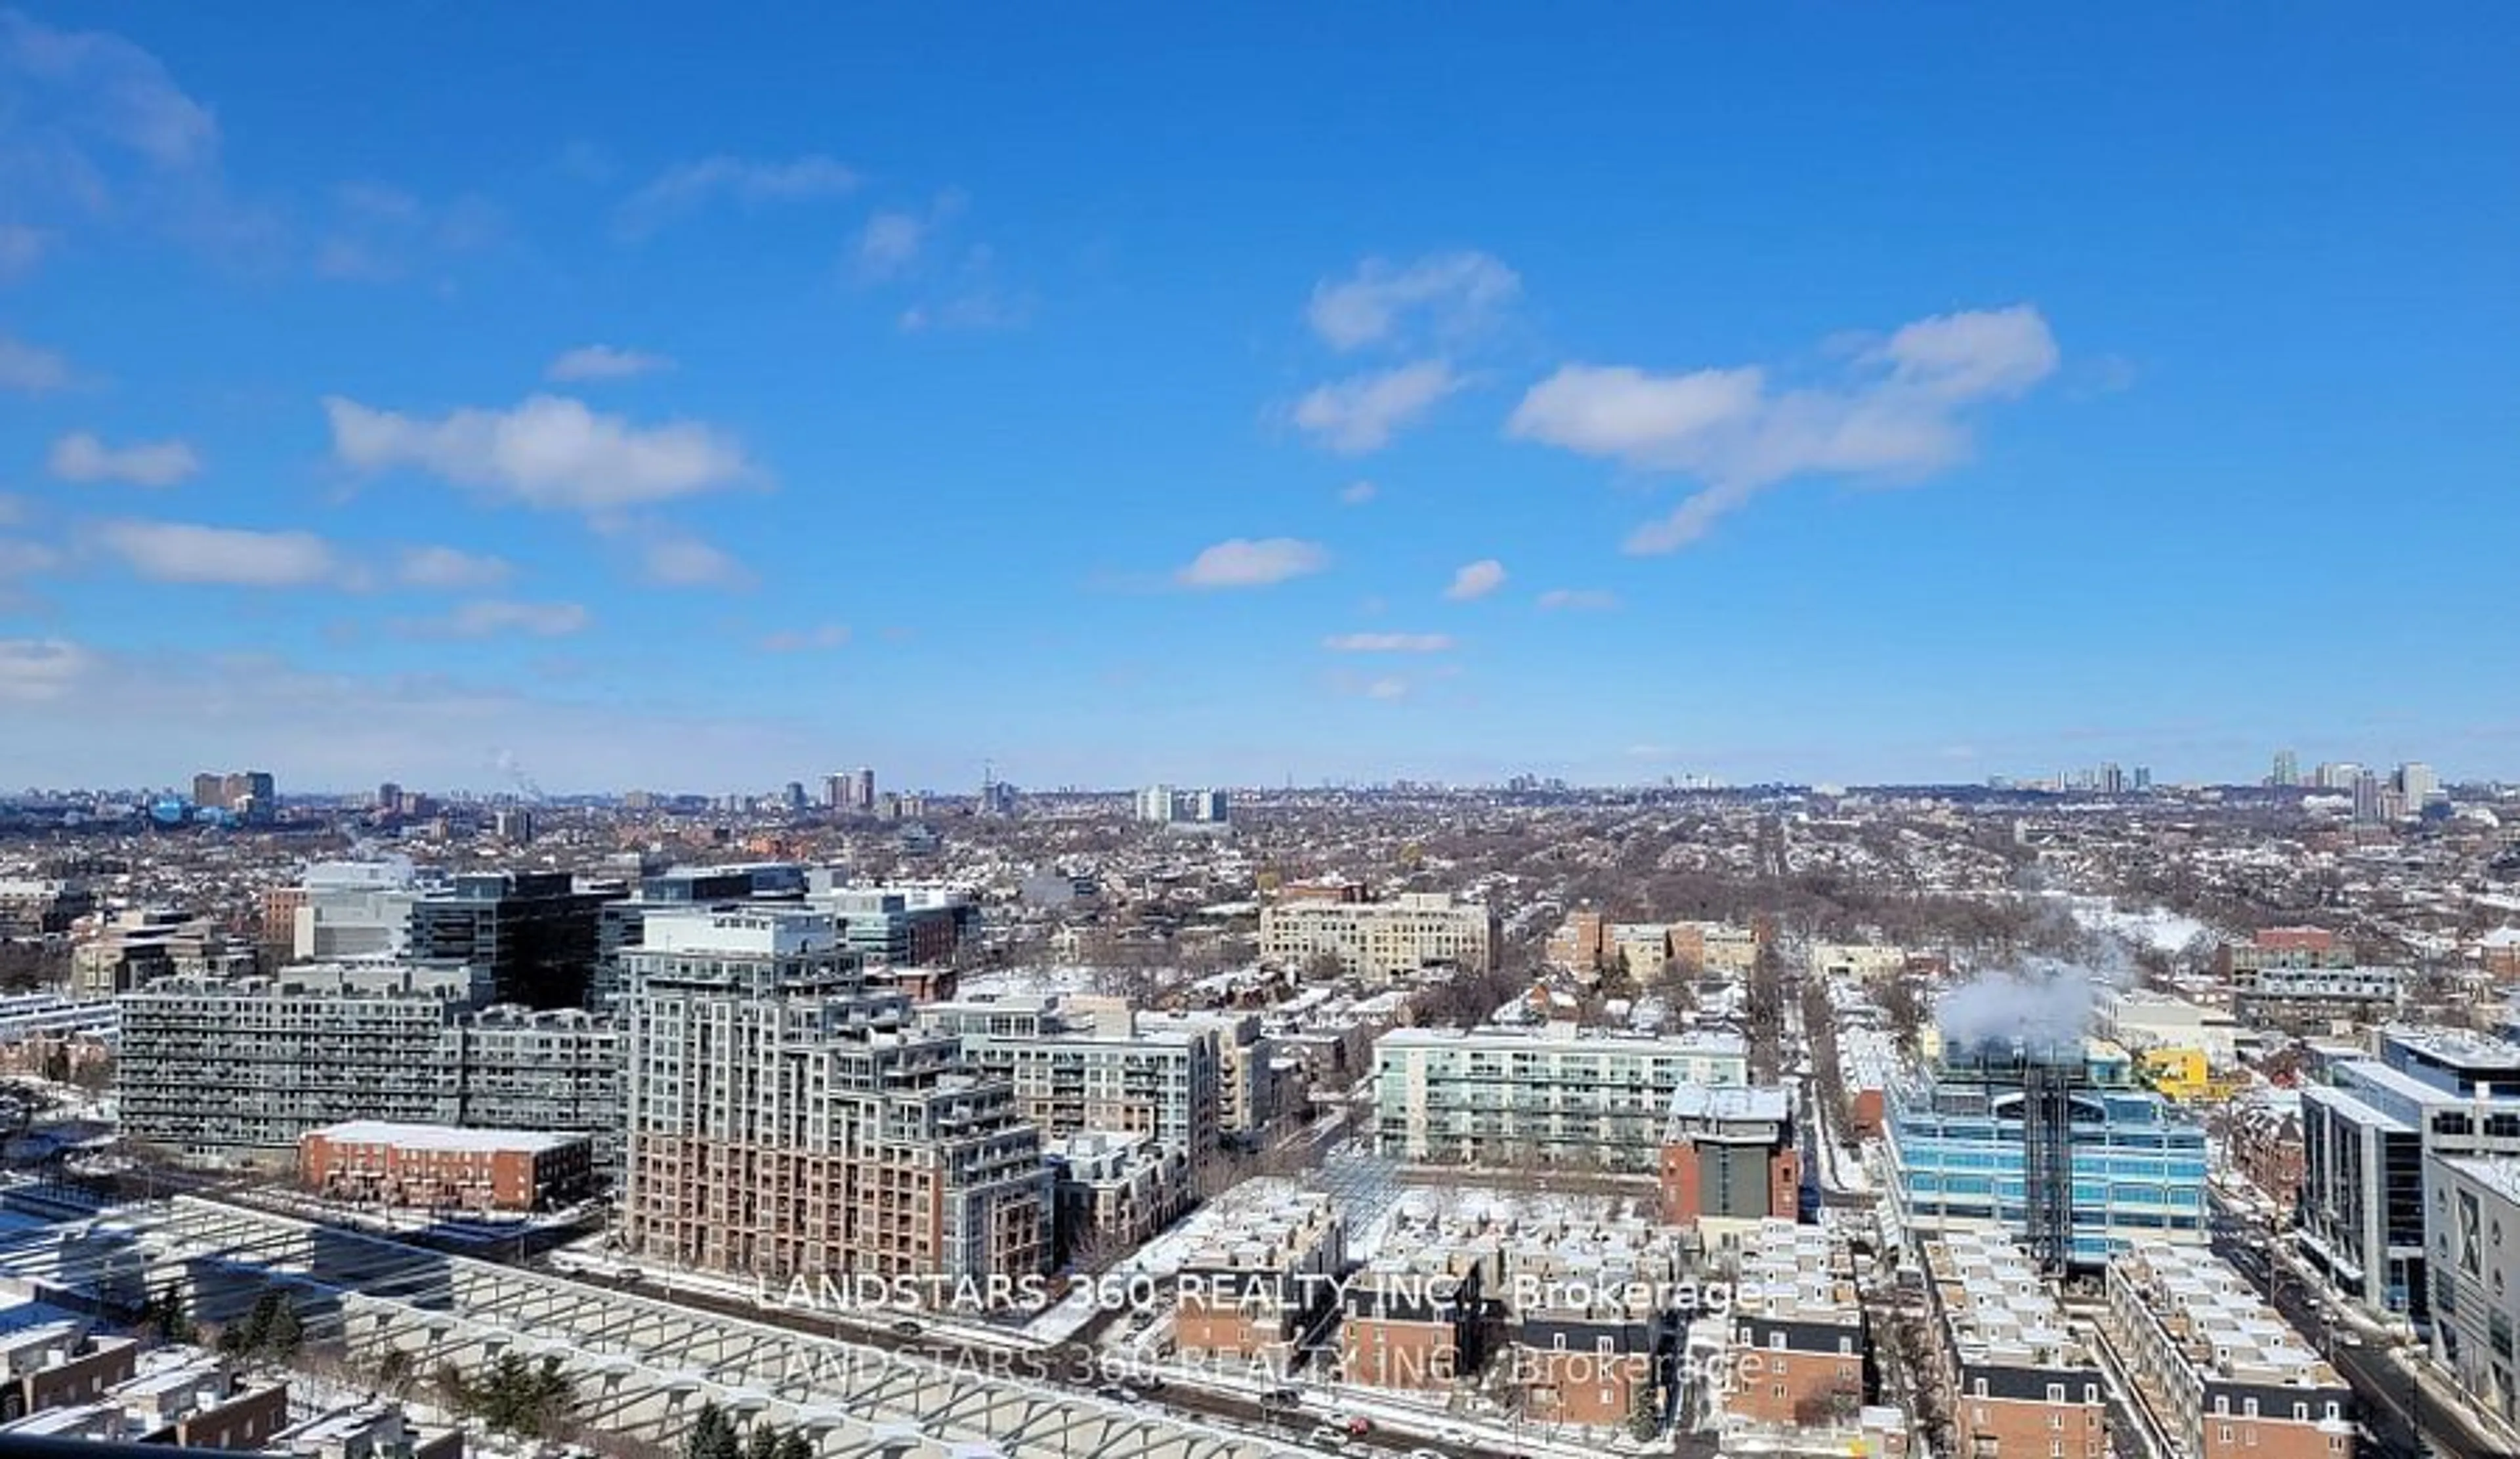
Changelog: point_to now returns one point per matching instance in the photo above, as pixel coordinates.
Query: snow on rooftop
(441, 1137)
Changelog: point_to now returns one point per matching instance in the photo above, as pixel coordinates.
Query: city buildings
(2226, 1376)
(129, 950)
(2367, 1137)
(2052, 1146)
(346, 909)
(1553, 1095)
(243, 1070)
(536, 932)
(1591, 1318)
(1380, 941)
(1257, 1274)
(1081, 1063)
(2015, 1379)
(445, 1168)
(1798, 1351)
(1730, 1159)
(42, 906)
(786, 1120)
(2473, 1207)
(1113, 1192)
(248, 794)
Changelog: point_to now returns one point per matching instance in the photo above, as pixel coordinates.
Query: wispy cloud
(376, 233)
(29, 371)
(1247, 562)
(550, 451)
(1363, 412)
(449, 569)
(1898, 412)
(21, 247)
(1578, 600)
(492, 617)
(676, 559)
(1389, 643)
(1356, 493)
(895, 240)
(803, 640)
(1477, 581)
(82, 457)
(1447, 293)
(680, 189)
(228, 557)
(604, 362)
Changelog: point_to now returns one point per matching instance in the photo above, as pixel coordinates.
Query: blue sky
(1611, 392)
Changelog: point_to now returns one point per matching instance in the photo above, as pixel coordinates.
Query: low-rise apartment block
(2017, 1380)
(1258, 1273)
(1388, 941)
(1551, 1095)
(1796, 1355)
(2224, 1374)
(1113, 1192)
(441, 1167)
(1591, 1316)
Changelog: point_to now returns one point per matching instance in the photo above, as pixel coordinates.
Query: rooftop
(1796, 1274)
(2218, 1321)
(440, 1136)
(2000, 1312)
(2498, 1173)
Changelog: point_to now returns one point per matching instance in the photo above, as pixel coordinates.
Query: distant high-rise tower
(795, 794)
(2287, 773)
(2366, 798)
(862, 792)
(515, 826)
(836, 790)
(2112, 780)
(2417, 782)
(2142, 778)
(1155, 804)
(388, 797)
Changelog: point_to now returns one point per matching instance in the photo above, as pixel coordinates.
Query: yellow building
(2184, 1075)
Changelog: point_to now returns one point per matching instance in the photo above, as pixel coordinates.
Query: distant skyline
(1803, 393)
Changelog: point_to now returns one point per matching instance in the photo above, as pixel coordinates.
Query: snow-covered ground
(2157, 928)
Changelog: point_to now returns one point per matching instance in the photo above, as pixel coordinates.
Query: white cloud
(1898, 413)
(446, 568)
(798, 640)
(30, 371)
(1389, 643)
(750, 182)
(377, 233)
(11, 509)
(1578, 600)
(1387, 689)
(604, 362)
(889, 244)
(1477, 581)
(23, 558)
(675, 560)
(490, 618)
(1245, 563)
(1362, 412)
(1453, 293)
(1356, 493)
(103, 90)
(35, 670)
(82, 457)
(182, 552)
(550, 451)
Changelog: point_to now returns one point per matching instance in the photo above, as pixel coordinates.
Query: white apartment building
(1554, 1095)
(1385, 941)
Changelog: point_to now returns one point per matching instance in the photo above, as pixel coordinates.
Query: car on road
(1113, 1392)
(1282, 1398)
(906, 1328)
(2348, 1338)
(1425, 1454)
(1326, 1438)
(1356, 1424)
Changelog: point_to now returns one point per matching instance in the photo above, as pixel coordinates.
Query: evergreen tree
(794, 1444)
(762, 1443)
